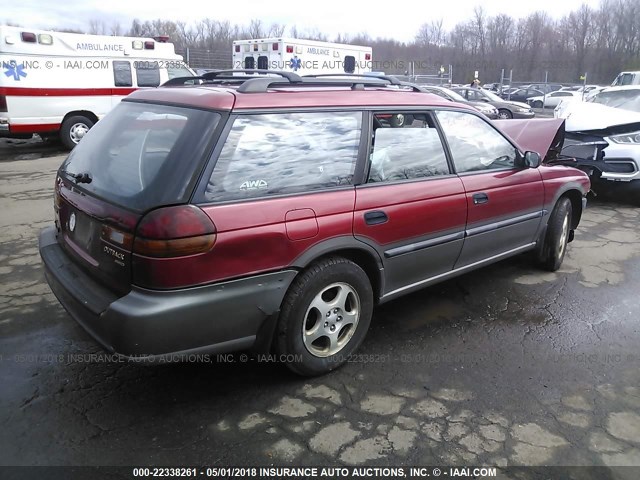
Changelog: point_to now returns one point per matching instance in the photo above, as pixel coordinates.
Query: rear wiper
(82, 177)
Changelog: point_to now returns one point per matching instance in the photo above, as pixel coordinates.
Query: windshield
(492, 96)
(178, 70)
(454, 95)
(624, 79)
(624, 99)
(141, 156)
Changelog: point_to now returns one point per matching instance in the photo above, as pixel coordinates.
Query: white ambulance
(305, 57)
(60, 84)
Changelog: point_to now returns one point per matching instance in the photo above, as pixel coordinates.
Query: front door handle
(480, 198)
(375, 217)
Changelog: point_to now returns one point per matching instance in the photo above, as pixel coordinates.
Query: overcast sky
(397, 19)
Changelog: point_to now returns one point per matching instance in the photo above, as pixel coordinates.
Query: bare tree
(97, 27)
(255, 29)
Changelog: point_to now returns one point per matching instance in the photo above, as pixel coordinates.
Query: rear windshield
(142, 156)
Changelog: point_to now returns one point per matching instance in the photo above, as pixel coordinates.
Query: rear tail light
(3, 104)
(174, 232)
(274, 46)
(237, 48)
(289, 48)
(28, 37)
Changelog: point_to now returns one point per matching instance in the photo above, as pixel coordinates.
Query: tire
(537, 104)
(313, 304)
(73, 129)
(504, 114)
(554, 247)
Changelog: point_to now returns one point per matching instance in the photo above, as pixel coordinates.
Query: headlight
(632, 138)
(523, 110)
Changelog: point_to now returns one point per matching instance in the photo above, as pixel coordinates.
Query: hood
(542, 135)
(587, 116)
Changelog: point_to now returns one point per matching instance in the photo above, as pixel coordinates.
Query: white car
(552, 99)
(608, 126)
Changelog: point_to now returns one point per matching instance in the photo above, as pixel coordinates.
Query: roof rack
(259, 81)
(230, 76)
(392, 80)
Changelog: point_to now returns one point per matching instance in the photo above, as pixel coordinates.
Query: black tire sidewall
(554, 259)
(65, 129)
(295, 306)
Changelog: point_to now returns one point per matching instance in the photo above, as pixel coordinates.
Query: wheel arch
(350, 248)
(83, 113)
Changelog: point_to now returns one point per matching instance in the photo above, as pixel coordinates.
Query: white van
(60, 84)
(305, 57)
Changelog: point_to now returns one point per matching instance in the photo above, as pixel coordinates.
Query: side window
(475, 145)
(474, 96)
(349, 64)
(147, 74)
(411, 150)
(276, 153)
(122, 74)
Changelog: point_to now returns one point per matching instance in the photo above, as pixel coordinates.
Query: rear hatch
(140, 157)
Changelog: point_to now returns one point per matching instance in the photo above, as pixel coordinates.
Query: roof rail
(230, 76)
(292, 77)
(259, 81)
(261, 85)
(392, 80)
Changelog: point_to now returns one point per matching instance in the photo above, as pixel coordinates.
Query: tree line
(600, 41)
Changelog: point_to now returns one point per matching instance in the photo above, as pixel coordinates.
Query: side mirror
(484, 100)
(532, 160)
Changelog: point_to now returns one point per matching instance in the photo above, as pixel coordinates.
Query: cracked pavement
(503, 366)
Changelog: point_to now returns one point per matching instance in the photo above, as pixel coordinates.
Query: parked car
(276, 213)
(522, 94)
(552, 99)
(603, 133)
(545, 87)
(489, 110)
(506, 109)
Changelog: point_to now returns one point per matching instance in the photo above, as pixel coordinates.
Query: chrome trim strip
(459, 270)
(504, 223)
(433, 242)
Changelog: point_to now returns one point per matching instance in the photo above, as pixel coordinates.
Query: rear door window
(279, 153)
(349, 64)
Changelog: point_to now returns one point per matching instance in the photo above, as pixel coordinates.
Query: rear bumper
(146, 324)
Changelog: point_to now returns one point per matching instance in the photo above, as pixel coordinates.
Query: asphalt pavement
(507, 365)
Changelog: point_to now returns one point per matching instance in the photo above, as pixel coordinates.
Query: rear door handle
(375, 218)
(480, 198)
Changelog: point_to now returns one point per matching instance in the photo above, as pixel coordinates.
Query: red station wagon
(273, 212)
